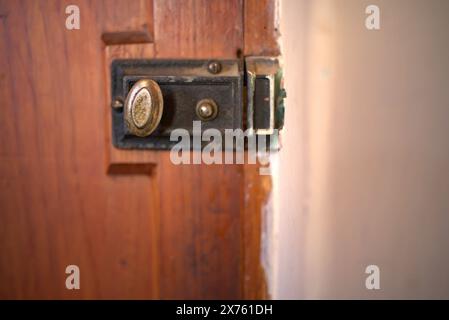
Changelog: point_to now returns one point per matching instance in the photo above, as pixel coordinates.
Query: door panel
(136, 225)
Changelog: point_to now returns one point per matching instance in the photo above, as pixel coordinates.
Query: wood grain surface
(136, 225)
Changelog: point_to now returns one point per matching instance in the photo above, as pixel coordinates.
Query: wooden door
(135, 224)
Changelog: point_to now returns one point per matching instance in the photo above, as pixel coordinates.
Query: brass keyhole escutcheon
(143, 107)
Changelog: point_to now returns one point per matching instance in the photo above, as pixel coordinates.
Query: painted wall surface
(363, 177)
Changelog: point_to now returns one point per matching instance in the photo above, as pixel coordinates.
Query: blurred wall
(363, 177)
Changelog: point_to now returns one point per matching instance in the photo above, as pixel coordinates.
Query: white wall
(363, 177)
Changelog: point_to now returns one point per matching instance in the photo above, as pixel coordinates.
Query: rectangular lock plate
(183, 84)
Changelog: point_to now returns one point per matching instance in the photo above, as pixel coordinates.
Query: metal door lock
(151, 98)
